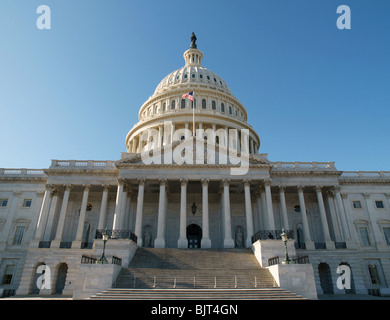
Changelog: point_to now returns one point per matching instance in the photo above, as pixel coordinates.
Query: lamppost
(284, 239)
(103, 259)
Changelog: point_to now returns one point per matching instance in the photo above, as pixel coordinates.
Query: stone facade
(50, 217)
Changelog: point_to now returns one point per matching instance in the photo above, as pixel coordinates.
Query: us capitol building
(208, 192)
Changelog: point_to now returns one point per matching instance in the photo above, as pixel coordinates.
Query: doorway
(194, 236)
(62, 271)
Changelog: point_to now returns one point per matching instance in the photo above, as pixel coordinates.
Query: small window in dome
(215, 80)
(185, 76)
(222, 107)
(208, 77)
(203, 103)
(213, 105)
(193, 75)
(173, 104)
(220, 82)
(183, 103)
(178, 77)
(230, 109)
(201, 76)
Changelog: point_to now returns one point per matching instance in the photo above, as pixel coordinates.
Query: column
(388, 197)
(103, 208)
(206, 242)
(43, 213)
(324, 222)
(172, 131)
(118, 205)
(140, 209)
(83, 211)
(183, 242)
(160, 135)
(270, 211)
(264, 217)
(228, 241)
(226, 137)
(122, 216)
(47, 234)
(308, 242)
(139, 143)
(283, 207)
(186, 131)
(4, 234)
(161, 223)
(259, 211)
(127, 224)
(376, 230)
(61, 220)
(343, 221)
(248, 213)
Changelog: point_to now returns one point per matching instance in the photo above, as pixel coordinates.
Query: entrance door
(194, 236)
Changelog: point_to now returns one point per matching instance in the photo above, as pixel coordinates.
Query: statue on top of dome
(193, 40)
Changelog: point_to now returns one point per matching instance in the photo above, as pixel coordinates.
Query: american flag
(189, 95)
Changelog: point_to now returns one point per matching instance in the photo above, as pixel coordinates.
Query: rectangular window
(27, 203)
(3, 202)
(356, 204)
(374, 276)
(386, 231)
(18, 235)
(8, 274)
(364, 236)
(379, 204)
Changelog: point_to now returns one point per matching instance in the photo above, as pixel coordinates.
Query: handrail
(93, 260)
(233, 282)
(271, 234)
(292, 260)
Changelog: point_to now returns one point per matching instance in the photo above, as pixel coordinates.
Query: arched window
(213, 105)
(173, 104)
(222, 107)
(203, 103)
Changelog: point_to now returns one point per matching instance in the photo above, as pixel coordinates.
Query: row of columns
(135, 144)
(265, 199)
(50, 200)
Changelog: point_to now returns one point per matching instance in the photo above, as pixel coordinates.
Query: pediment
(191, 152)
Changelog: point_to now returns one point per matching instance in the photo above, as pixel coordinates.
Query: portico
(157, 205)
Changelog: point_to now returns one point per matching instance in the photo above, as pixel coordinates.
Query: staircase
(195, 274)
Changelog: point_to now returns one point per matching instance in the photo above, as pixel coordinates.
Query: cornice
(188, 166)
(364, 181)
(304, 173)
(92, 172)
(27, 179)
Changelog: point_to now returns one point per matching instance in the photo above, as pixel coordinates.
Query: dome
(213, 107)
(193, 73)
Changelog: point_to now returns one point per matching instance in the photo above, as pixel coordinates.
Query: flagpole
(193, 114)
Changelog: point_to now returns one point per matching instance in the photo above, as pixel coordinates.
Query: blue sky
(312, 92)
